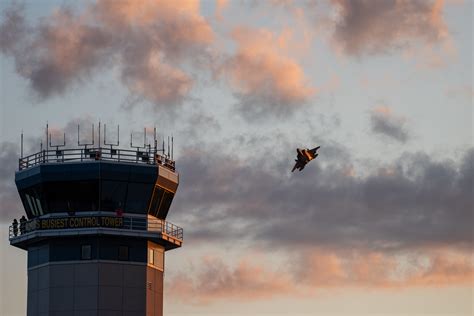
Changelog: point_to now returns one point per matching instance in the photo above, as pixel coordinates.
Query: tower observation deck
(95, 228)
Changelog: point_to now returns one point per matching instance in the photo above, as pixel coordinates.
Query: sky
(381, 223)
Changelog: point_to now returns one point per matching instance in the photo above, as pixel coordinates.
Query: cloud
(326, 268)
(308, 273)
(263, 76)
(221, 5)
(415, 200)
(366, 27)
(215, 280)
(9, 198)
(60, 52)
(12, 28)
(384, 122)
(465, 92)
(149, 42)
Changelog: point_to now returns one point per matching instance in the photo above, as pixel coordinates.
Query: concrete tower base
(95, 287)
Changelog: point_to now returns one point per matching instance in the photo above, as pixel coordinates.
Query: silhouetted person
(70, 210)
(15, 227)
(22, 224)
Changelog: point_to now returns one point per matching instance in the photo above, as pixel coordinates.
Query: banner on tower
(75, 222)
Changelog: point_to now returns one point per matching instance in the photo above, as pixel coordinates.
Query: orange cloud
(161, 37)
(221, 5)
(157, 81)
(318, 270)
(384, 110)
(174, 29)
(262, 73)
(148, 41)
(216, 281)
(444, 269)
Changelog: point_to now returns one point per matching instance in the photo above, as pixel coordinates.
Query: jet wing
(299, 155)
(298, 165)
(313, 151)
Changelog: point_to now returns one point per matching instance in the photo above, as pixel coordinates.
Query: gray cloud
(373, 27)
(55, 53)
(414, 201)
(149, 45)
(12, 29)
(9, 198)
(386, 124)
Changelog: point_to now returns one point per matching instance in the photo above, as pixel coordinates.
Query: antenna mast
(47, 132)
(85, 144)
(112, 151)
(21, 150)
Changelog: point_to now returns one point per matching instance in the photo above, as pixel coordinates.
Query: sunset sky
(381, 223)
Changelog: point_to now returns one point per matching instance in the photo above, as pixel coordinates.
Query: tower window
(123, 253)
(86, 252)
(151, 256)
(159, 259)
(156, 258)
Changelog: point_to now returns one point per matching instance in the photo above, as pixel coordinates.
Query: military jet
(304, 156)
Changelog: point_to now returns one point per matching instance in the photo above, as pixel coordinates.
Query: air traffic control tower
(95, 228)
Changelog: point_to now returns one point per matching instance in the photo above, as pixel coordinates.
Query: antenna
(144, 136)
(168, 147)
(155, 143)
(172, 147)
(105, 137)
(57, 145)
(21, 150)
(99, 134)
(85, 144)
(131, 141)
(149, 145)
(112, 150)
(47, 129)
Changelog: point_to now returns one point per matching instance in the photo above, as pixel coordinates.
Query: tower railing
(126, 223)
(145, 156)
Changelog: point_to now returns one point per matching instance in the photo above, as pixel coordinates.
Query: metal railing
(129, 223)
(165, 227)
(145, 156)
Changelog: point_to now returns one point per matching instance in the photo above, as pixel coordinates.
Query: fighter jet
(303, 157)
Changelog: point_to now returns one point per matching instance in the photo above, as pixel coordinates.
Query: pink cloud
(215, 281)
(221, 5)
(148, 41)
(262, 73)
(318, 270)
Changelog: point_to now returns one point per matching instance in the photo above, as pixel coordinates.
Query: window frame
(83, 249)
(121, 256)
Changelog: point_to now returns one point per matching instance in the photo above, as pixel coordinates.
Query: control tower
(95, 228)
